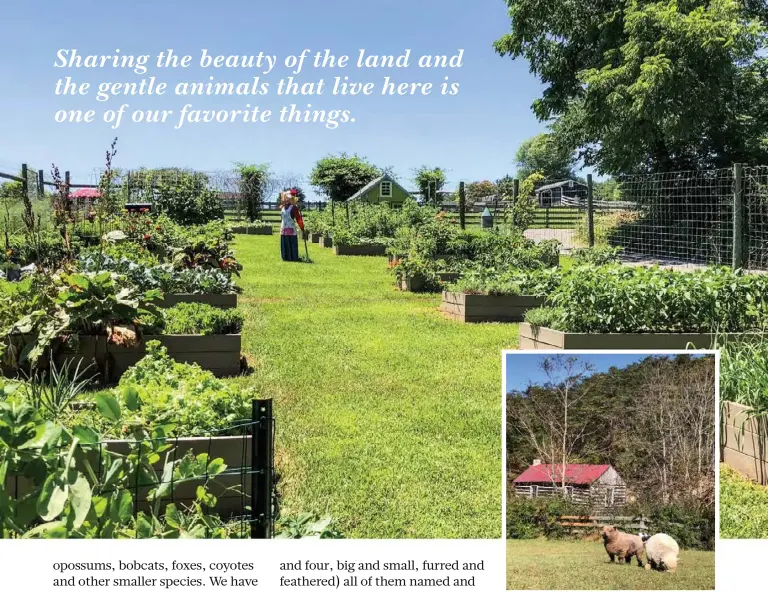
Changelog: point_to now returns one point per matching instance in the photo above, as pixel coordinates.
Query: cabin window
(385, 189)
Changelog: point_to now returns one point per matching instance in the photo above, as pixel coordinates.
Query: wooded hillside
(653, 421)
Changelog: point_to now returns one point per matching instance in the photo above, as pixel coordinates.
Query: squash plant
(84, 304)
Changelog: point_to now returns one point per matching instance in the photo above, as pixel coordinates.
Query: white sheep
(661, 552)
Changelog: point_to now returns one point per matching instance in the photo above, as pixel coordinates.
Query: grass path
(388, 415)
(581, 565)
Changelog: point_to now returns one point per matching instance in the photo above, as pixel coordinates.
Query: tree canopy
(653, 421)
(429, 181)
(340, 176)
(547, 155)
(641, 85)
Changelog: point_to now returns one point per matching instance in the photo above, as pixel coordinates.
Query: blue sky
(473, 135)
(524, 369)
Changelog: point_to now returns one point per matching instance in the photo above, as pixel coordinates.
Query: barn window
(385, 189)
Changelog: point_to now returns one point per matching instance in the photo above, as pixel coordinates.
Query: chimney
(536, 462)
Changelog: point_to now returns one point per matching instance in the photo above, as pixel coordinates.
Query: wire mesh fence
(668, 218)
(221, 485)
(756, 216)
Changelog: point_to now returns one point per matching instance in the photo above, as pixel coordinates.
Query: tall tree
(429, 181)
(480, 190)
(547, 155)
(648, 85)
(547, 418)
(253, 187)
(340, 176)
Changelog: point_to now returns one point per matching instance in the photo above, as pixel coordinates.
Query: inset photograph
(610, 466)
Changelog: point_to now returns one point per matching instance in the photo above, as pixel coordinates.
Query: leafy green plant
(193, 318)
(183, 397)
(622, 299)
(52, 392)
(75, 303)
(77, 488)
(540, 283)
(306, 525)
(599, 255)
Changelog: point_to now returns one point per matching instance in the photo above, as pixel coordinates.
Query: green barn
(383, 189)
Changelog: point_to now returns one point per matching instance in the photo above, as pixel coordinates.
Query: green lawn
(581, 565)
(743, 507)
(388, 415)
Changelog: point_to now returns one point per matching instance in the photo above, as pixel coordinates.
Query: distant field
(580, 565)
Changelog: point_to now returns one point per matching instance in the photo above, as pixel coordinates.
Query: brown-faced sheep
(622, 545)
(661, 552)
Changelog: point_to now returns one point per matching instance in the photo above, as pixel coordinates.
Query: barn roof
(568, 182)
(85, 193)
(372, 184)
(575, 474)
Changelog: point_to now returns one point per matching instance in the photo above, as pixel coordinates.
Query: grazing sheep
(661, 552)
(622, 545)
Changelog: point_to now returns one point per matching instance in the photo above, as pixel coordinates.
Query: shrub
(193, 318)
(187, 199)
(538, 517)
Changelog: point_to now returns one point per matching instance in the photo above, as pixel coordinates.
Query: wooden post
(515, 197)
(590, 211)
(40, 184)
(333, 212)
(25, 181)
(738, 217)
(462, 205)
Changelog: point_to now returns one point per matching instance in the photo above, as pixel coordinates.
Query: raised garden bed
(248, 230)
(545, 338)
(234, 450)
(744, 442)
(217, 300)
(482, 308)
(219, 354)
(418, 283)
(325, 241)
(369, 250)
(314, 237)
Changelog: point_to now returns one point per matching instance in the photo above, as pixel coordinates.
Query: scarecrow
(290, 216)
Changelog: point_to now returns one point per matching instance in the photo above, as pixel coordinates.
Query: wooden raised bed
(482, 308)
(744, 442)
(265, 230)
(367, 250)
(544, 338)
(417, 282)
(217, 300)
(220, 354)
(235, 451)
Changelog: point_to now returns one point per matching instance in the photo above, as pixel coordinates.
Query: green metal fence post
(590, 211)
(738, 217)
(462, 205)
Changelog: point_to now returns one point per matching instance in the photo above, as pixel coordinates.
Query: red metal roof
(85, 193)
(574, 474)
